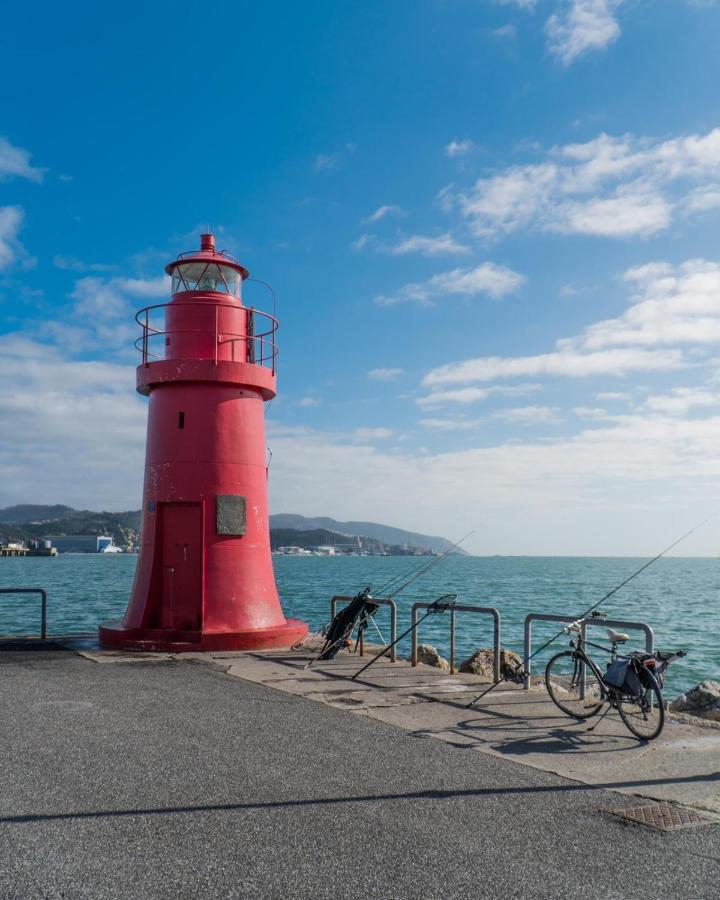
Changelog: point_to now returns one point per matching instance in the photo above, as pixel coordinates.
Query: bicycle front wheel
(573, 686)
(643, 713)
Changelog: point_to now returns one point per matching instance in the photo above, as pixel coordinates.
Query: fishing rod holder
(345, 599)
(481, 610)
(43, 604)
(589, 621)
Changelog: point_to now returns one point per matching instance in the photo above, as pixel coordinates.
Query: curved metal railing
(260, 348)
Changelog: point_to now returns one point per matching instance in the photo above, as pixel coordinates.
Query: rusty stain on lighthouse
(204, 578)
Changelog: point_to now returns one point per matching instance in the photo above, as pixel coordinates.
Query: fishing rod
(419, 569)
(520, 672)
(427, 566)
(416, 573)
(442, 604)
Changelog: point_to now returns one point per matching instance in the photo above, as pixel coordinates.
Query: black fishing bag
(622, 675)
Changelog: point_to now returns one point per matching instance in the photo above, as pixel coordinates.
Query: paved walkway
(168, 778)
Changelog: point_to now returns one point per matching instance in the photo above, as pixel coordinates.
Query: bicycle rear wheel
(564, 682)
(643, 713)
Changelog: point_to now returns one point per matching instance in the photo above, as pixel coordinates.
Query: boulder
(703, 700)
(430, 657)
(481, 662)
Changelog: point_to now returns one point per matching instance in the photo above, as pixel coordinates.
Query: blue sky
(492, 227)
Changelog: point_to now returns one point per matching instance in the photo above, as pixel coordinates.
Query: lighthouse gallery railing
(261, 346)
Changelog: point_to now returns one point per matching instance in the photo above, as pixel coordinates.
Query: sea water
(679, 598)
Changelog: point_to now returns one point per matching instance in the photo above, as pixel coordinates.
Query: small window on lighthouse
(201, 276)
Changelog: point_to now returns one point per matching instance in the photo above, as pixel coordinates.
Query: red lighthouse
(204, 577)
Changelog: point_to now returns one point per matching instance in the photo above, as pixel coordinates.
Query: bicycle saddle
(617, 637)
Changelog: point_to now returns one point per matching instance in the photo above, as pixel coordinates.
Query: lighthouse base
(114, 635)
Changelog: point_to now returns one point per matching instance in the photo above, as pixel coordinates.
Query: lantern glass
(206, 277)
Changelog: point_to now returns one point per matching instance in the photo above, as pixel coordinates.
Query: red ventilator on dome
(204, 578)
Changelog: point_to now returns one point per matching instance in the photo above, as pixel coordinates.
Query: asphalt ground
(175, 780)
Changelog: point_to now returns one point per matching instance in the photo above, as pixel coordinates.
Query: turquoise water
(679, 598)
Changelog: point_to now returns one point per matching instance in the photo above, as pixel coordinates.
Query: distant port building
(80, 543)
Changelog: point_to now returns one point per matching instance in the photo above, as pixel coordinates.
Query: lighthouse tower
(204, 578)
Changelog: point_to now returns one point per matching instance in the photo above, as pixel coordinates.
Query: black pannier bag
(622, 676)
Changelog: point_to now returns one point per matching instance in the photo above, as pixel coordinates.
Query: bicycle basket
(622, 677)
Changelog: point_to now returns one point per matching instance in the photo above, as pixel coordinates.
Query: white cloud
(703, 199)
(11, 250)
(465, 396)
(623, 487)
(673, 306)
(460, 147)
(73, 431)
(564, 362)
(109, 297)
(428, 246)
(458, 424)
(309, 401)
(681, 400)
(493, 280)
(505, 31)
(523, 4)
(591, 412)
(382, 211)
(371, 434)
(581, 26)
(609, 186)
(325, 162)
(385, 374)
(363, 241)
(73, 264)
(529, 415)
(15, 163)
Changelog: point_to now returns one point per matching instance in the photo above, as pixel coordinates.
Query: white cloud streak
(15, 163)
(11, 250)
(488, 278)
(609, 187)
(673, 306)
(382, 211)
(581, 26)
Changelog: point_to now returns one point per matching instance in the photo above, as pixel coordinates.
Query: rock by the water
(430, 657)
(703, 700)
(481, 662)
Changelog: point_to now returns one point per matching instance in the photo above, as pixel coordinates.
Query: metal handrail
(43, 604)
(265, 340)
(344, 598)
(486, 610)
(607, 623)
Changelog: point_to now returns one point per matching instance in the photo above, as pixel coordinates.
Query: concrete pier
(249, 776)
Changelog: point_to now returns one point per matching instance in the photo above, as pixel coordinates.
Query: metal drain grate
(661, 816)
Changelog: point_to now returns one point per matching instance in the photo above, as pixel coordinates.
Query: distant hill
(385, 533)
(25, 513)
(35, 521)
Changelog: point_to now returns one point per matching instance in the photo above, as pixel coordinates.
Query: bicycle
(632, 683)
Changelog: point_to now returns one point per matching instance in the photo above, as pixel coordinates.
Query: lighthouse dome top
(207, 269)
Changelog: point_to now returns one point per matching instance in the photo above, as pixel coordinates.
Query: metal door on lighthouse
(182, 566)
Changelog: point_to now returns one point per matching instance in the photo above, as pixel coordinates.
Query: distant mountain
(35, 521)
(385, 533)
(25, 513)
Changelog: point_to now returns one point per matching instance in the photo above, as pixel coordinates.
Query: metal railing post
(482, 610)
(452, 641)
(590, 621)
